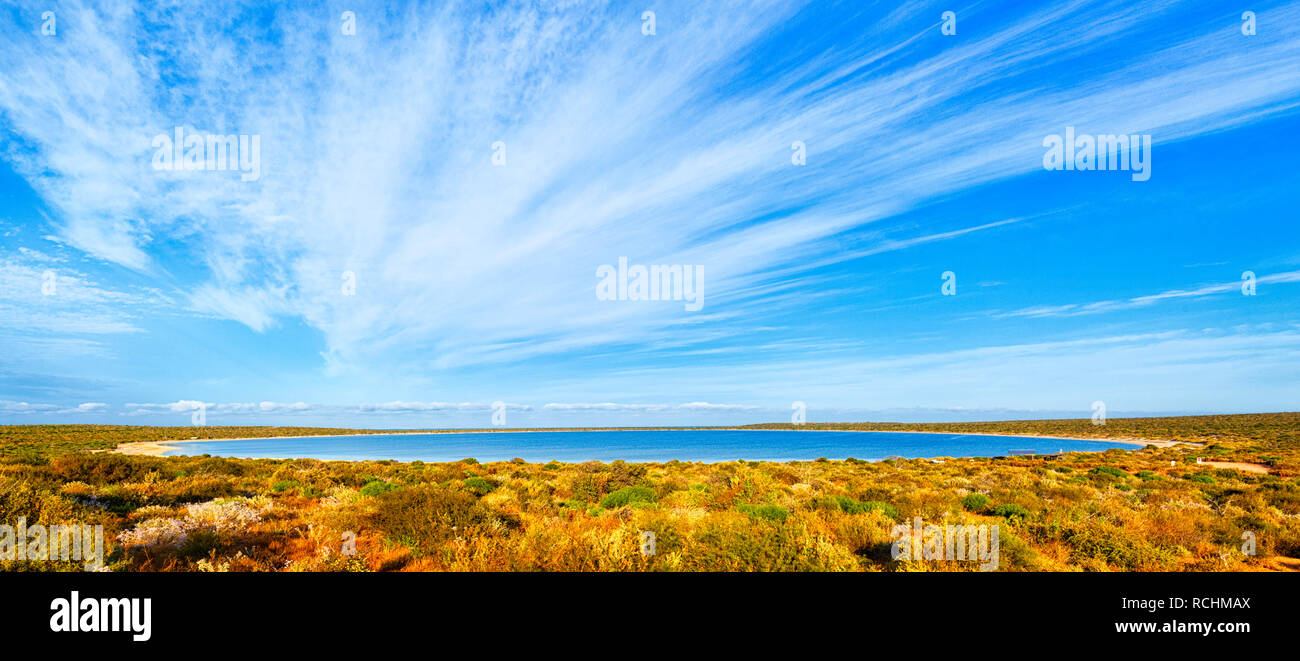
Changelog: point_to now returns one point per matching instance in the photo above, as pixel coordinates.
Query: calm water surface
(650, 445)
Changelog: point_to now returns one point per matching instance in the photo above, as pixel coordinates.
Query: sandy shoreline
(143, 448)
(160, 448)
(1130, 440)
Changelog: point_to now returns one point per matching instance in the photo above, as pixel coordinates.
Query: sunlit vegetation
(1143, 509)
(46, 439)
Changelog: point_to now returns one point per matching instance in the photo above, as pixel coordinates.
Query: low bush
(377, 487)
(765, 512)
(423, 517)
(975, 502)
(1109, 471)
(627, 496)
(1010, 511)
(479, 486)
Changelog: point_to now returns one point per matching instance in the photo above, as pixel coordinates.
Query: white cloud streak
(376, 153)
(1097, 307)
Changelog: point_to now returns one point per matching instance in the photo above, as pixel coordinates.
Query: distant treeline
(1271, 430)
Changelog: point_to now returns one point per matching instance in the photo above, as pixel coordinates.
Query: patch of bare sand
(144, 448)
(1239, 465)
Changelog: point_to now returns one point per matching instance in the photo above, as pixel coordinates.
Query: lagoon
(656, 445)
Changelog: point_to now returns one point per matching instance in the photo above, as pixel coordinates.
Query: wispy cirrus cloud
(376, 162)
(460, 262)
(41, 296)
(1098, 307)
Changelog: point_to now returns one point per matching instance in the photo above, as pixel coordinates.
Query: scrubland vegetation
(16, 440)
(1116, 510)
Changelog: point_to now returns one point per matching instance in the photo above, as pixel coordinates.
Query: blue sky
(475, 280)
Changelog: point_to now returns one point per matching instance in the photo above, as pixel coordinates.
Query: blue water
(637, 446)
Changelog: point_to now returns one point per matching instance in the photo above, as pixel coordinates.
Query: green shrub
(479, 486)
(376, 487)
(1203, 479)
(1109, 470)
(884, 508)
(765, 512)
(1010, 510)
(283, 485)
(627, 496)
(829, 503)
(975, 502)
(852, 506)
